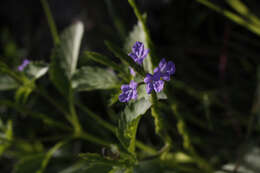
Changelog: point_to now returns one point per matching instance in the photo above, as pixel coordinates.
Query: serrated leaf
(128, 123)
(65, 57)
(92, 78)
(94, 158)
(7, 83)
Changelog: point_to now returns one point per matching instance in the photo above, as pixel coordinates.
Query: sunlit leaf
(35, 70)
(92, 78)
(7, 83)
(65, 57)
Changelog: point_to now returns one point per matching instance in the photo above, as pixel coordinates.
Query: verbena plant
(138, 83)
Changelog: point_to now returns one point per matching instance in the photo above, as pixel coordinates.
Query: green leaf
(65, 57)
(6, 136)
(23, 92)
(29, 164)
(7, 83)
(94, 158)
(91, 78)
(128, 123)
(48, 156)
(252, 25)
(121, 170)
(120, 54)
(35, 70)
(85, 167)
(70, 46)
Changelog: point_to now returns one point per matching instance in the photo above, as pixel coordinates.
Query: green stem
(73, 117)
(91, 138)
(51, 22)
(159, 122)
(145, 148)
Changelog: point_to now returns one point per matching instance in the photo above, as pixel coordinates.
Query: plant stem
(73, 115)
(91, 138)
(51, 22)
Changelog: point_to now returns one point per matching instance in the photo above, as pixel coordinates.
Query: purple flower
(165, 69)
(128, 92)
(153, 82)
(138, 53)
(23, 65)
(132, 72)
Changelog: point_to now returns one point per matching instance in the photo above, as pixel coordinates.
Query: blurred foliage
(61, 114)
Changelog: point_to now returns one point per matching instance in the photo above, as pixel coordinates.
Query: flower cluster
(23, 65)
(153, 81)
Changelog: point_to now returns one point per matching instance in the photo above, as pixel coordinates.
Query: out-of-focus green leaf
(65, 57)
(6, 136)
(35, 70)
(250, 162)
(250, 25)
(49, 155)
(128, 122)
(7, 83)
(23, 92)
(4, 69)
(91, 78)
(29, 163)
(238, 6)
(121, 170)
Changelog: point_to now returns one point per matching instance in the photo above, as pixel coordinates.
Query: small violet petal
(128, 92)
(132, 72)
(139, 53)
(158, 86)
(23, 65)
